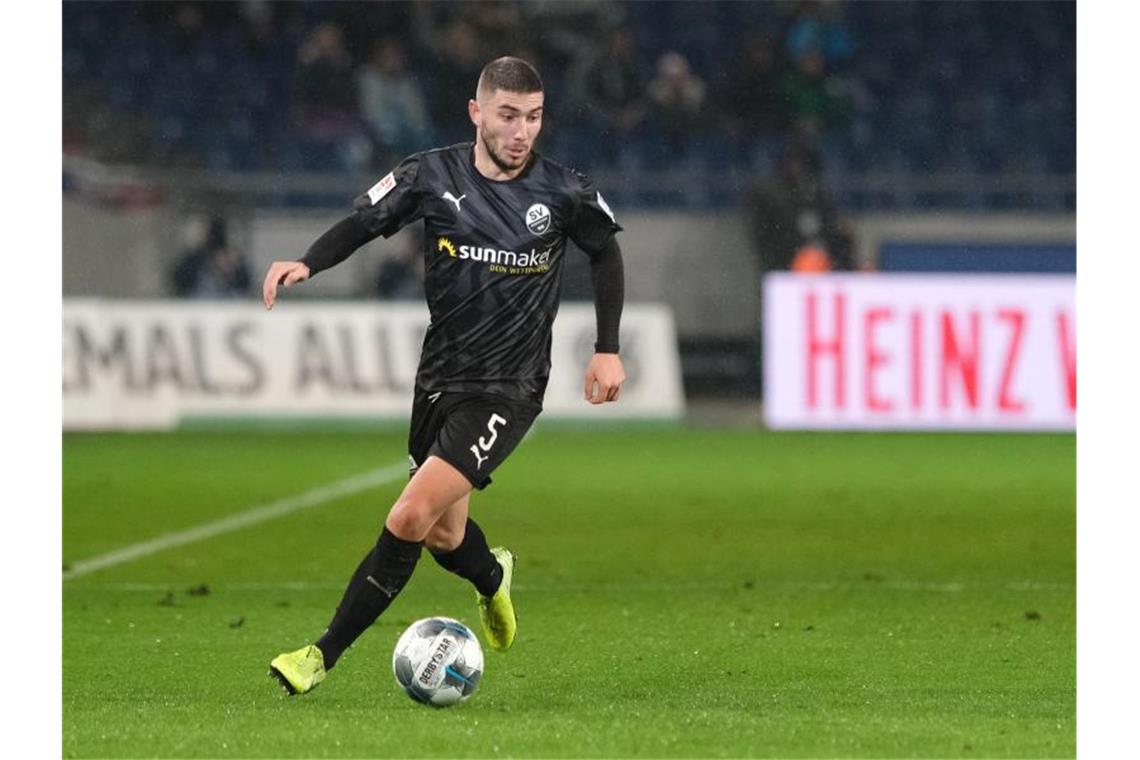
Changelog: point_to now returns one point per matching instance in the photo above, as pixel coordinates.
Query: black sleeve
(593, 229)
(336, 245)
(392, 202)
(382, 210)
(593, 224)
(609, 293)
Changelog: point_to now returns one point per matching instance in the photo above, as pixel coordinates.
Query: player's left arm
(605, 374)
(594, 230)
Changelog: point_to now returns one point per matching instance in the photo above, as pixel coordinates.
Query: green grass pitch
(681, 593)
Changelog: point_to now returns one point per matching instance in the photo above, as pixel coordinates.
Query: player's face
(507, 124)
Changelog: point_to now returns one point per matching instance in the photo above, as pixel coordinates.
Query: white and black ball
(438, 661)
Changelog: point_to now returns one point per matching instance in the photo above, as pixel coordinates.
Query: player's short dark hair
(510, 74)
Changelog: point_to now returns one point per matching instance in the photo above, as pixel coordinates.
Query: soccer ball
(438, 661)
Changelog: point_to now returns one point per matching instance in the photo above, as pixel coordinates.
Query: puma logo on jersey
(449, 197)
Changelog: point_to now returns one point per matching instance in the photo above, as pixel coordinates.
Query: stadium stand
(960, 91)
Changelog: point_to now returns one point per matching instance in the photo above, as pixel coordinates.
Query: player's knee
(410, 518)
(443, 538)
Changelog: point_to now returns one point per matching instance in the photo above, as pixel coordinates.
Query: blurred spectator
(259, 22)
(497, 24)
(325, 100)
(187, 29)
(794, 223)
(678, 97)
(752, 94)
(458, 57)
(210, 268)
(324, 79)
(392, 103)
(571, 33)
(817, 102)
(607, 92)
(819, 28)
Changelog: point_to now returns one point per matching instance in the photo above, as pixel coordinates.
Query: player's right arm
(386, 207)
(285, 274)
(331, 248)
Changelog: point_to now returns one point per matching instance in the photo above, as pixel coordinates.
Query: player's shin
(377, 581)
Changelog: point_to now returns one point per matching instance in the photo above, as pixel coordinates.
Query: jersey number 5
(486, 444)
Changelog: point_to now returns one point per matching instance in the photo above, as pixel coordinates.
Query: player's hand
(604, 377)
(286, 273)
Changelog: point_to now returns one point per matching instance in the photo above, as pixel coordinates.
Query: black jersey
(493, 255)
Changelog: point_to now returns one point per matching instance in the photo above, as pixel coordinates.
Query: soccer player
(497, 215)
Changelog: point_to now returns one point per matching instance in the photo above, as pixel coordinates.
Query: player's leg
(448, 532)
(381, 575)
(384, 572)
(478, 435)
(457, 543)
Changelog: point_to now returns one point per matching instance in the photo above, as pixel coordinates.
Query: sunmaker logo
(511, 262)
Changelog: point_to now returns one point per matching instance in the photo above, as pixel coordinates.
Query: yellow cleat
(496, 611)
(299, 672)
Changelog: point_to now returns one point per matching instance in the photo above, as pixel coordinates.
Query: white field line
(254, 516)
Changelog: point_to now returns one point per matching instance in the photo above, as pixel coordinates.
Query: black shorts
(473, 432)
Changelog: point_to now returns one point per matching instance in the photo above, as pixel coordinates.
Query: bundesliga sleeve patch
(382, 188)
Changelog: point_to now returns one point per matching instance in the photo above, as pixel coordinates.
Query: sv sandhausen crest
(538, 218)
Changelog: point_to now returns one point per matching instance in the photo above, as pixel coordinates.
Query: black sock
(473, 560)
(376, 582)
